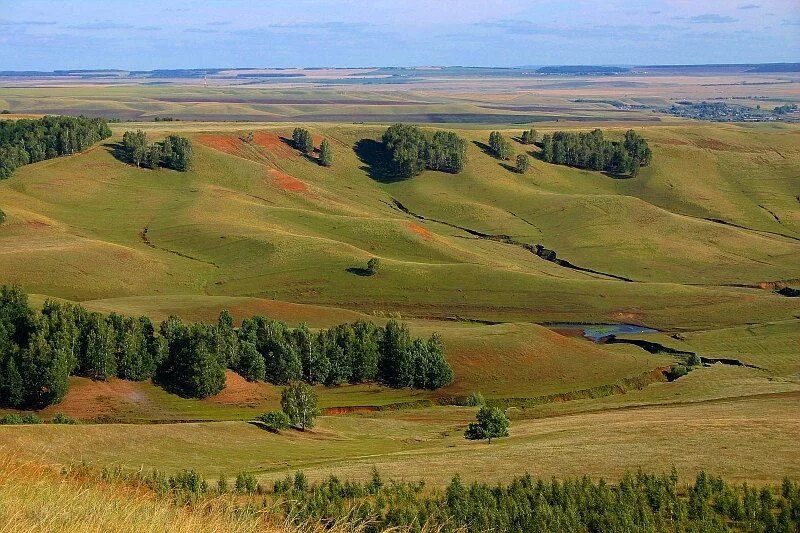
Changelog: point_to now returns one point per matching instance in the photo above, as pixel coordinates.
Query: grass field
(721, 436)
(706, 233)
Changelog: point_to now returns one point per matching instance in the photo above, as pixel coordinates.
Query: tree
(180, 154)
(302, 140)
(227, 340)
(325, 154)
(523, 163)
(396, 365)
(499, 145)
(12, 388)
(365, 353)
(313, 358)
(299, 402)
(97, 358)
(2, 216)
(191, 368)
(44, 371)
(490, 423)
(373, 265)
(411, 150)
(529, 136)
(250, 364)
(134, 143)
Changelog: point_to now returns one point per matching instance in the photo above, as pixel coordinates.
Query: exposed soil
(224, 143)
(89, 400)
(240, 392)
(349, 410)
(287, 182)
(273, 143)
(419, 230)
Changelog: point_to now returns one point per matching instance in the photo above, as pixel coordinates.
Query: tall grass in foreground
(35, 497)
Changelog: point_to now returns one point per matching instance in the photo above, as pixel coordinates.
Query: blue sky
(147, 34)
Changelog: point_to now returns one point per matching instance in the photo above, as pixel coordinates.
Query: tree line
(411, 150)
(27, 141)
(637, 503)
(39, 350)
(592, 151)
(174, 152)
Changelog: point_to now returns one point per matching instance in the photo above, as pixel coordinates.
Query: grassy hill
(703, 235)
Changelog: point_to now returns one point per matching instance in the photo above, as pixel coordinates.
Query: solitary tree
(490, 423)
(299, 402)
(373, 265)
(523, 163)
(325, 155)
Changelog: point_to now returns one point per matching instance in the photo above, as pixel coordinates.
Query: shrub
(11, 420)
(475, 399)
(14, 419)
(245, 483)
(61, 418)
(274, 420)
(2, 216)
(694, 360)
(677, 371)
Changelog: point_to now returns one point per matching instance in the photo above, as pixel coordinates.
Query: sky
(149, 34)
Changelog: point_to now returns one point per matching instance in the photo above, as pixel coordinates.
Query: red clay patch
(419, 230)
(273, 143)
(224, 143)
(287, 182)
(240, 392)
(87, 399)
(333, 411)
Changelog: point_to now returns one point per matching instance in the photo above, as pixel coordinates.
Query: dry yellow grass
(34, 497)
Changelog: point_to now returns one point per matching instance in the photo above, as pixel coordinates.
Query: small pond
(597, 332)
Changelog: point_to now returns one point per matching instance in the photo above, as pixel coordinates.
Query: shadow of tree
(290, 143)
(359, 271)
(510, 168)
(484, 147)
(375, 161)
(117, 150)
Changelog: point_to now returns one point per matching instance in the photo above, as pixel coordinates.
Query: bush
(694, 360)
(274, 420)
(11, 420)
(61, 418)
(475, 399)
(14, 419)
(2, 216)
(245, 483)
(677, 371)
